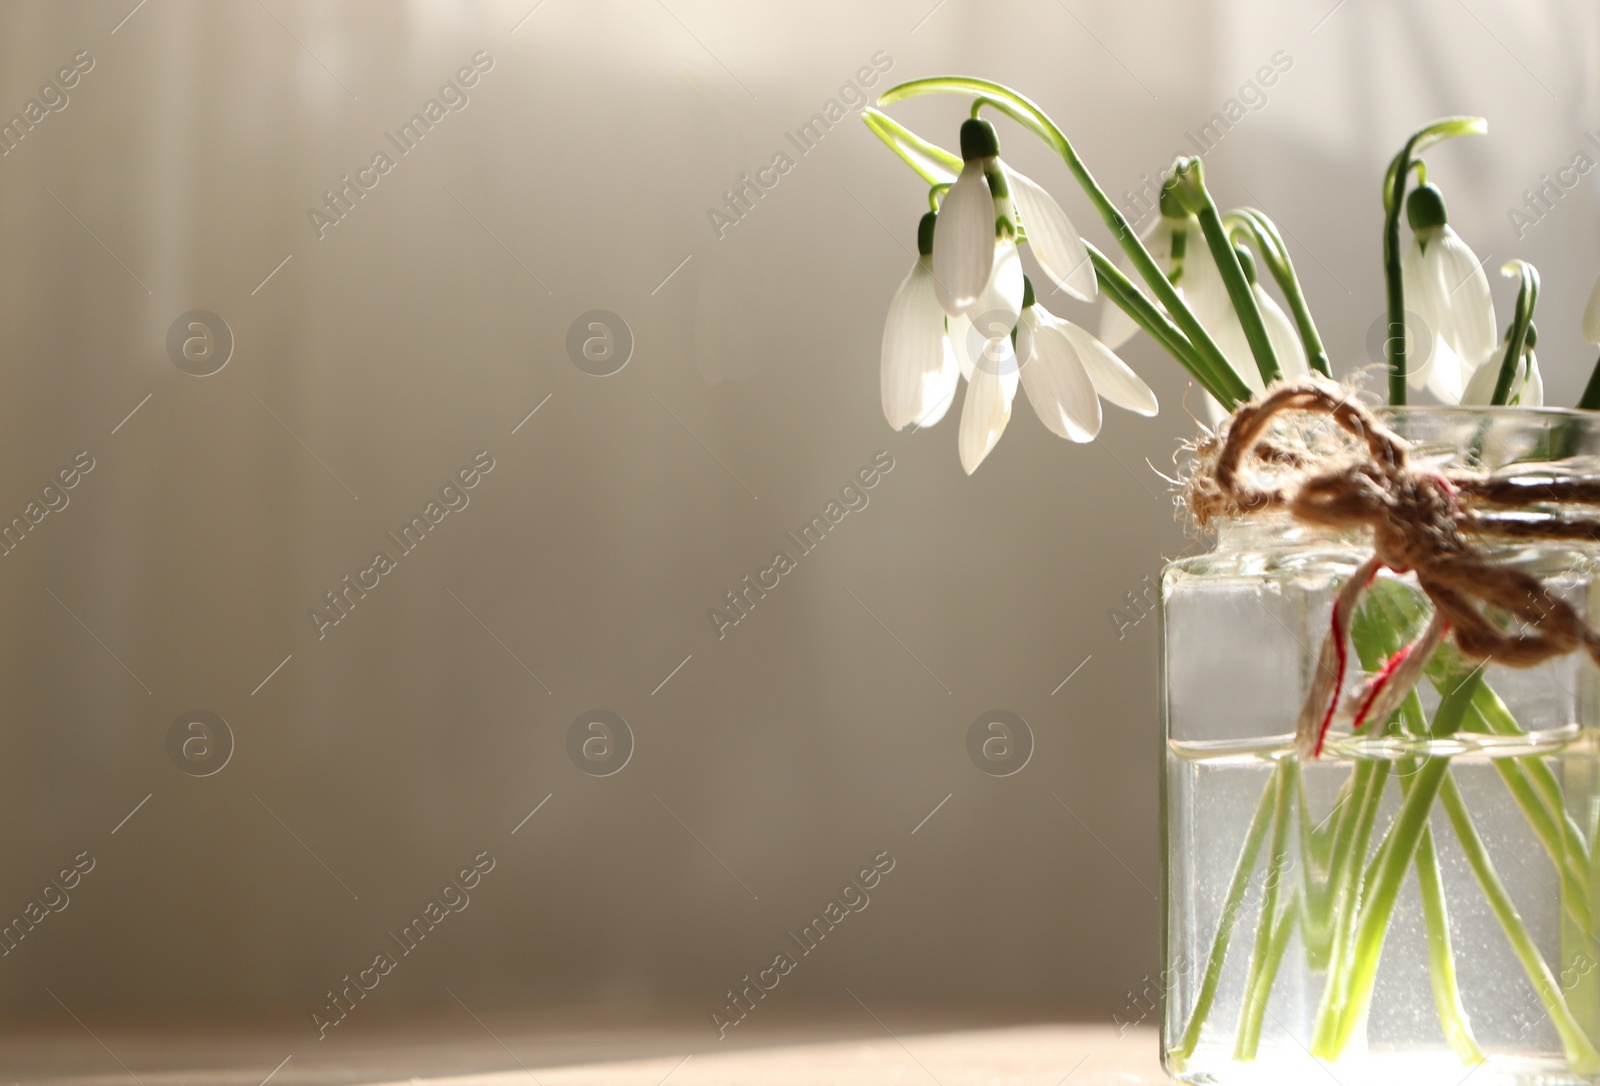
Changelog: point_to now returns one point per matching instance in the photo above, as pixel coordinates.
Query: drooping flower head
(1445, 286)
(1527, 383)
(976, 241)
(975, 227)
(919, 372)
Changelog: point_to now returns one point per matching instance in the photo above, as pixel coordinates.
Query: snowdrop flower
(919, 369)
(1527, 384)
(1065, 372)
(1446, 287)
(977, 234)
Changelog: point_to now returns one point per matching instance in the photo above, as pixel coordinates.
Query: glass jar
(1418, 904)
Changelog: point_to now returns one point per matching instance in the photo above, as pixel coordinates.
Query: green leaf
(933, 163)
(1391, 616)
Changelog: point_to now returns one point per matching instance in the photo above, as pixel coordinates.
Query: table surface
(501, 1051)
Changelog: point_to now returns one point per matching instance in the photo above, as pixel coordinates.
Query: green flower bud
(1425, 208)
(978, 139)
(925, 233)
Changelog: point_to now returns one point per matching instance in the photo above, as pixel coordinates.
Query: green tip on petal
(925, 233)
(1425, 208)
(1027, 292)
(978, 139)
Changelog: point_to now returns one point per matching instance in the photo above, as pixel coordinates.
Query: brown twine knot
(1422, 522)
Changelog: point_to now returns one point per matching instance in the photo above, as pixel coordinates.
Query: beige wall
(419, 330)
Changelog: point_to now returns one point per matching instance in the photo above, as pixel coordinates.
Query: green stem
(1342, 1011)
(1316, 850)
(1349, 883)
(1189, 177)
(1031, 117)
(1263, 233)
(1569, 867)
(1394, 341)
(1516, 338)
(1256, 997)
(1581, 1055)
(1441, 956)
(1225, 924)
(1492, 712)
(1131, 300)
(1261, 956)
(1393, 205)
(1538, 796)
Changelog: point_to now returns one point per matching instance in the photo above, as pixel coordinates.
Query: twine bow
(1422, 522)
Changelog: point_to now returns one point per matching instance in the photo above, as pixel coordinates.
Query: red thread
(1338, 681)
(1343, 654)
(1378, 683)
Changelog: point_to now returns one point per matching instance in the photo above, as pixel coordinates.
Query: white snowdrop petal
(1027, 325)
(1000, 305)
(1010, 379)
(1283, 336)
(1203, 288)
(1480, 389)
(1055, 242)
(1447, 372)
(1419, 280)
(1059, 387)
(965, 343)
(984, 414)
(1467, 307)
(1207, 297)
(1591, 316)
(912, 347)
(939, 389)
(963, 240)
(999, 358)
(1532, 394)
(1111, 376)
(1235, 347)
